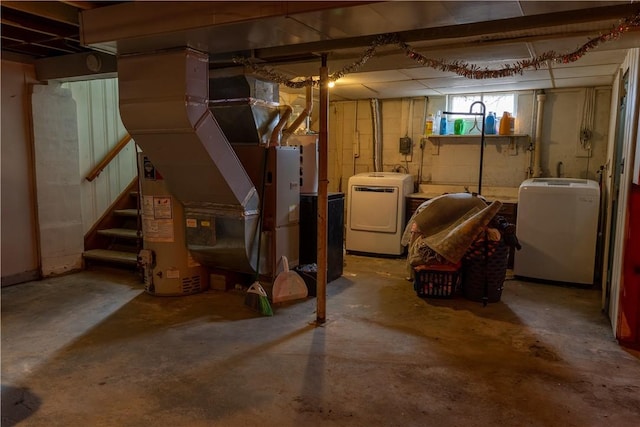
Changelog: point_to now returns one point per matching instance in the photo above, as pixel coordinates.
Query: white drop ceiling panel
(397, 85)
(375, 77)
(595, 58)
(582, 72)
(584, 81)
(426, 73)
(352, 92)
(496, 86)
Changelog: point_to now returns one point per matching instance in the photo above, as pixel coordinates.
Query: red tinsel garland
(460, 68)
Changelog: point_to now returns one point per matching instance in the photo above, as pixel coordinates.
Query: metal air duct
(164, 106)
(304, 115)
(246, 108)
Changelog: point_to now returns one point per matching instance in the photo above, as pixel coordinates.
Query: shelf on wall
(437, 140)
(475, 137)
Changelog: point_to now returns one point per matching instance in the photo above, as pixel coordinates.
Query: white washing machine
(557, 227)
(376, 211)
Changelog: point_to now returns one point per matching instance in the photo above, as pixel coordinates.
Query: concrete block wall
(561, 129)
(505, 165)
(55, 134)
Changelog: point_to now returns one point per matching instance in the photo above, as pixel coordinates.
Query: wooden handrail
(107, 159)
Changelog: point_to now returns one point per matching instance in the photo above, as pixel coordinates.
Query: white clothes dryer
(376, 212)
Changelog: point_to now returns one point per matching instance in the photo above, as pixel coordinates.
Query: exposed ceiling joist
(13, 18)
(54, 10)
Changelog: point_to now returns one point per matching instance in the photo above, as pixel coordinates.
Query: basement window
(496, 102)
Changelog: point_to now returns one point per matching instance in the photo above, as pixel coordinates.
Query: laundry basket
(485, 263)
(437, 281)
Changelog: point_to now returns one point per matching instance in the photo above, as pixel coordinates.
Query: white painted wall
(55, 137)
(92, 106)
(561, 130)
(20, 261)
(99, 130)
(74, 126)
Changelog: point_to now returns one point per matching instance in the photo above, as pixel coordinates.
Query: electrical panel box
(405, 145)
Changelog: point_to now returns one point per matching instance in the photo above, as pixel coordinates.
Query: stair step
(126, 233)
(112, 256)
(126, 212)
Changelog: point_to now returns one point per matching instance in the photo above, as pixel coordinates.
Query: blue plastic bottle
(490, 124)
(443, 125)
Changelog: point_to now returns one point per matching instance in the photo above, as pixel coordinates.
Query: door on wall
(616, 170)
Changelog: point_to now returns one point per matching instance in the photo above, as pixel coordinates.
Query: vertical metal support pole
(321, 286)
(484, 109)
(481, 162)
(481, 153)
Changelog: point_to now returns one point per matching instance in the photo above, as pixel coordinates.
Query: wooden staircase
(116, 238)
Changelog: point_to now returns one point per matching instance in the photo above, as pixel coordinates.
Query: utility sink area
(504, 194)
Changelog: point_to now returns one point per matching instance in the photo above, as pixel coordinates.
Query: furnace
(216, 142)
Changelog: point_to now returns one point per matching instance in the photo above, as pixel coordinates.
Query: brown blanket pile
(444, 228)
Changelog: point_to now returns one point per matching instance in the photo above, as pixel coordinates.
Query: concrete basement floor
(92, 349)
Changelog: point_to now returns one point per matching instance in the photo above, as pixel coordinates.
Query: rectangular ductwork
(246, 108)
(164, 106)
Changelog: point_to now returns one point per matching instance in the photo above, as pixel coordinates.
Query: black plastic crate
(441, 283)
(484, 273)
